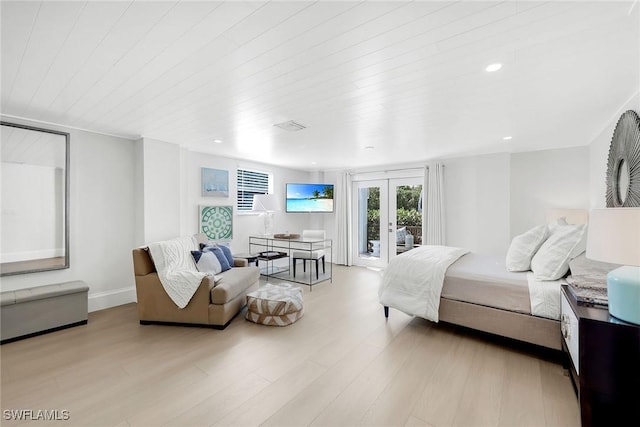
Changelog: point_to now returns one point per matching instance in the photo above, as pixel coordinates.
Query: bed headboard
(573, 216)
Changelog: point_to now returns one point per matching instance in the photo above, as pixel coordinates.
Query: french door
(387, 219)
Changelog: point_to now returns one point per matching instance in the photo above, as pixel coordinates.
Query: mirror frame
(66, 199)
(624, 149)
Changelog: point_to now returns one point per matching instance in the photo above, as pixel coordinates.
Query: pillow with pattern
(224, 248)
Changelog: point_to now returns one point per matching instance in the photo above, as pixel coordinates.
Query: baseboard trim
(46, 331)
(114, 298)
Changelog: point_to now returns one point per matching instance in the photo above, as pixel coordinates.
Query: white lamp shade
(614, 236)
(265, 203)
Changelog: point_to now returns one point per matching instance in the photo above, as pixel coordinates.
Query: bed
(478, 292)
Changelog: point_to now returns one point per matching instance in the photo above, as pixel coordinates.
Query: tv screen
(309, 197)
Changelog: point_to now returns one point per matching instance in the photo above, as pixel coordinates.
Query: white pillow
(207, 262)
(559, 222)
(524, 246)
(551, 262)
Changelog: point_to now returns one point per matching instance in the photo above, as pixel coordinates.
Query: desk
(273, 252)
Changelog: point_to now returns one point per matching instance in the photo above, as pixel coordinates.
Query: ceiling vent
(290, 126)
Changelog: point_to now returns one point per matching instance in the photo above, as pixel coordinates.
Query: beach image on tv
(309, 198)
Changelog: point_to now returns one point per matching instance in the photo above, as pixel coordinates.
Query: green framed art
(216, 222)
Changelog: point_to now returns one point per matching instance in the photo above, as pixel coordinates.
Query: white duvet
(412, 282)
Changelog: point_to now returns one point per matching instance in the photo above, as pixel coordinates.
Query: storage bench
(40, 309)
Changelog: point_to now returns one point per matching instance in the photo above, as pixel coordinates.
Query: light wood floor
(341, 364)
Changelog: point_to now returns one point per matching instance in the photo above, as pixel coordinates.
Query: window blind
(249, 184)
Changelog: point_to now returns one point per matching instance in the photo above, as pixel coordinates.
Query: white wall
(161, 190)
(102, 219)
(490, 199)
(477, 195)
(244, 224)
(543, 180)
(599, 153)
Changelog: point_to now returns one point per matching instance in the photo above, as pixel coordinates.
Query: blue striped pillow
(225, 250)
(222, 258)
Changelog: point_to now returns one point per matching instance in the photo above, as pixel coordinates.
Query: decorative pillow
(224, 262)
(225, 250)
(524, 246)
(206, 262)
(401, 233)
(551, 262)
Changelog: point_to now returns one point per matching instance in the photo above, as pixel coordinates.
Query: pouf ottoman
(275, 305)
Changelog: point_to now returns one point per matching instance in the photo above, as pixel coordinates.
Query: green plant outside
(407, 209)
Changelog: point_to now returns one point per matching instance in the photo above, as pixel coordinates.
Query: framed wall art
(215, 182)
(216, 222)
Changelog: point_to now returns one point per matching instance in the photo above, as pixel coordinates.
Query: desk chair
(315, 255)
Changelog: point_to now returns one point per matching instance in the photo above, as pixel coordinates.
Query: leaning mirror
(35, 202)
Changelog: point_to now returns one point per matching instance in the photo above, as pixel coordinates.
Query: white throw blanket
(544, 296)
(176, 269)
(412, 282)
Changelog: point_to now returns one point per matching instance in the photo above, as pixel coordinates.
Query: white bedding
(176, 269)
(544, 296)
(412, 282)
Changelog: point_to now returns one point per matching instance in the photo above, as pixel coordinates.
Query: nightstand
(604, 359)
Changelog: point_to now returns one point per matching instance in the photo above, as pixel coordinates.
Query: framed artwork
(216, 222)
(215, 182)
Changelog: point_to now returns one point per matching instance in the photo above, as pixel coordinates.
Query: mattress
(484, 280)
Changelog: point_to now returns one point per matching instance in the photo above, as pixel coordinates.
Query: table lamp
(266, 204)
(614, 236)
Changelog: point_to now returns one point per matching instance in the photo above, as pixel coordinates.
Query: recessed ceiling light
(369, 147)
(314, 163)
(507, 138)
(493, 67)
(217, 141)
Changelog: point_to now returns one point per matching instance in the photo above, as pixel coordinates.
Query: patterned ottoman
(275, 305)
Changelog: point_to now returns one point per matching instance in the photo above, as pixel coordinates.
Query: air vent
(290, 126)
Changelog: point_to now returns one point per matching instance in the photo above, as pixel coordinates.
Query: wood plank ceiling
(406, 78)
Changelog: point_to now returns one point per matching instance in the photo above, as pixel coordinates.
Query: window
(251, 183)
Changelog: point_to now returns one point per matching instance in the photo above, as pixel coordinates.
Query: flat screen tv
(309, 197)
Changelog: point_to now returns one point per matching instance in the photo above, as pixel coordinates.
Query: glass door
(370, 231)
(387, 219)
(405, 215)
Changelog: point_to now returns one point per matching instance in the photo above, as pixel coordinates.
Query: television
(309, 197)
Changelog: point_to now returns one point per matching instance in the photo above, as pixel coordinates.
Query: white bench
(33, 311)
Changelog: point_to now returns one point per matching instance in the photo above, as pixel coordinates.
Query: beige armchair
(214, 304)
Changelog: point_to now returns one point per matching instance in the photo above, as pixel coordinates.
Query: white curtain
(343, 220)
(433, 219)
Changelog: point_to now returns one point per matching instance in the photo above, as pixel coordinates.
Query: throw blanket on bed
(412, 282)
(176, 269)
(545, 297)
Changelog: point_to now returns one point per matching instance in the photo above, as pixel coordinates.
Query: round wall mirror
(623, 167)
(623, 181)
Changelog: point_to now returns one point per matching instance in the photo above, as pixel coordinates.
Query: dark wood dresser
(604, 359)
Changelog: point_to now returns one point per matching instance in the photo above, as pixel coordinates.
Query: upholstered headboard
(572, 216)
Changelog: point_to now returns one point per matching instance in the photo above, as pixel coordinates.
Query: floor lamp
(266, 204)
